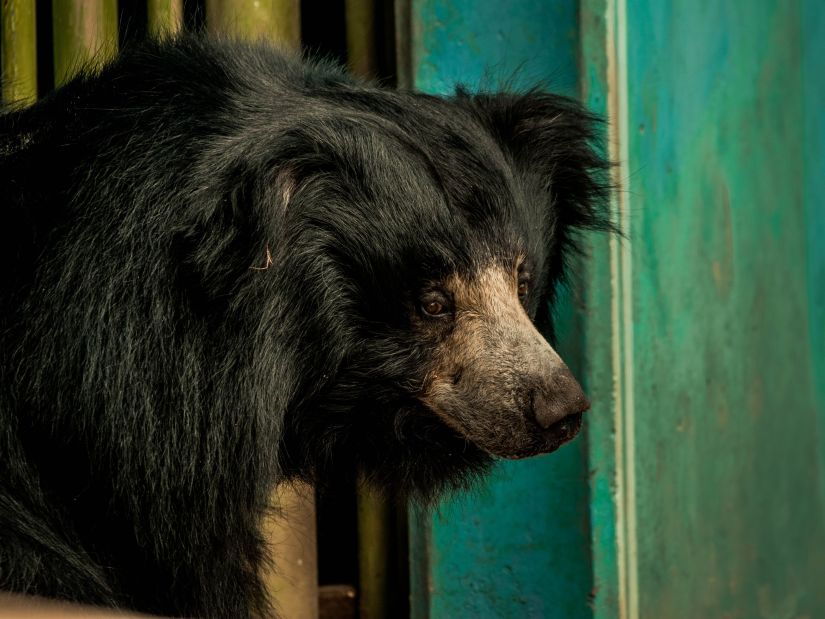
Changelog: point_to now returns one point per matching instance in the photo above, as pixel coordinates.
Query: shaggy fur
(211, 255)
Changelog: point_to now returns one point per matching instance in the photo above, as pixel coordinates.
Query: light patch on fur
(268, 261)
(286, 181)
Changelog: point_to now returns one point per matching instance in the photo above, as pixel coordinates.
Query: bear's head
(424, 239)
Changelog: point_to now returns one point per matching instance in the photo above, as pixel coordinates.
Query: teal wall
(708, 447)
(701, 482)
(813, 101)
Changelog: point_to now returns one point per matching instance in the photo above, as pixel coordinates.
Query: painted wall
(703, 341)
(708, 447)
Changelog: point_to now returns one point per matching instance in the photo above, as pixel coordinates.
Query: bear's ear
(553, 140)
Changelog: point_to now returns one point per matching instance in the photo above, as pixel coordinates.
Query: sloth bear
(224, 267)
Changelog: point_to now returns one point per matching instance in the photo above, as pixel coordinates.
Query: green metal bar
(361, 37)
(19, 44)
(85, 35)
(813, 79)
(165, 16)
(601, 339)
(274, 20)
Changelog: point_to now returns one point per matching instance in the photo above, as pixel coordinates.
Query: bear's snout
(497, 380)
(560, 397)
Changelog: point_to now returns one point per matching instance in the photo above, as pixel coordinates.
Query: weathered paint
(276, 21)
(84, 35)
(19, 45)
(813, 101)
(164, 16)
(520, 43)
(605, 424)
(713, 475)
(518, 546)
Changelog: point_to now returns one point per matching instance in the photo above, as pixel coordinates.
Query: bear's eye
(434, 308)
(435, 305)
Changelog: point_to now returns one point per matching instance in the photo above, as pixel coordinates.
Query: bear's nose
(559, 397)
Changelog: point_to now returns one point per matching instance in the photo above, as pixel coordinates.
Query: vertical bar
(421, 580)
(164, 16)
(610, 376)
(374, 542)
(85, 35)
(293, 579)
(274, 20)
(293, 584)
(374, 511)
(361, 56)
(605, 429)
(19, 44)
(813, 102)
(403, 43)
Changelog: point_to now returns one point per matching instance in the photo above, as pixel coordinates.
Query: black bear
(224, 267)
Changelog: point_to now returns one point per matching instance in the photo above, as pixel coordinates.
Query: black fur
(210, 254)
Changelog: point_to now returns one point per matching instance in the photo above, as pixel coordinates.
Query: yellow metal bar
(374, 561)
(273, 20)
(164, 16)
(361, 55)
(293, 583)
(85, 35)
(19, 69)
(293, 578)
(374, 511)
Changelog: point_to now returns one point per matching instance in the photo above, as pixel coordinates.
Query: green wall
(708, 493)
(703, 340)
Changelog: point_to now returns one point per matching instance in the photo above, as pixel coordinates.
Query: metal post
(278, 21)
(165, 16)
(19, 52)
(85, 35)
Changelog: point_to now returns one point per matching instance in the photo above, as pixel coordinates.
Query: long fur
(209, 249)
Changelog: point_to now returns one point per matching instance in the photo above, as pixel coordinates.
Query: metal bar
(165, 16)
(605, 426)
(374, 511)
(293, 579)
(19, 43)
(293, 583)
(403, 43)
(361, 56)
(374, 559)
(85, 35)
(274, 20)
